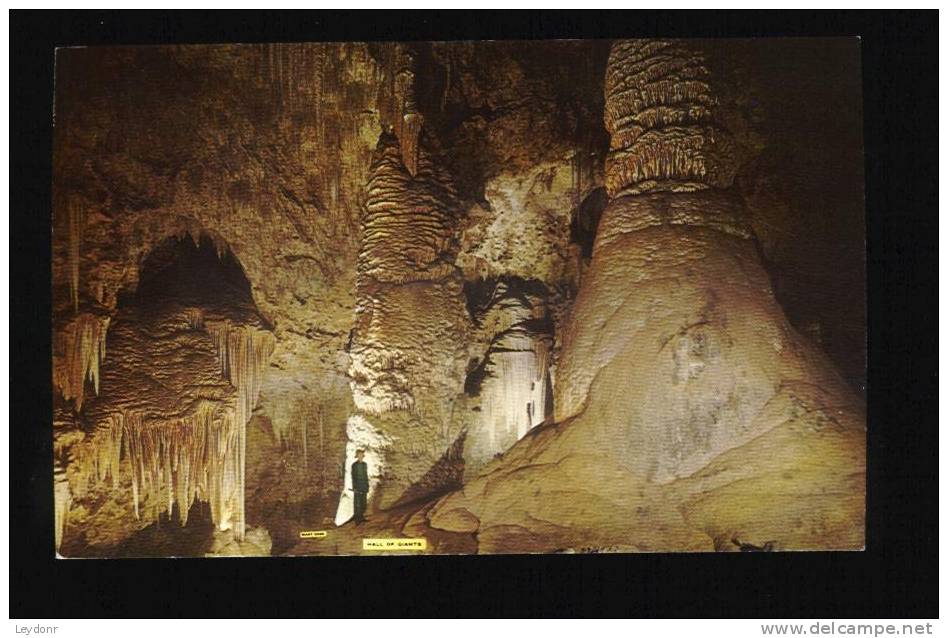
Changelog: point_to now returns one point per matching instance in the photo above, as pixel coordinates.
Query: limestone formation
(511, 382)
(408, 345)
(660, 117)
(687, 409)
(566, 296)
(78, 353)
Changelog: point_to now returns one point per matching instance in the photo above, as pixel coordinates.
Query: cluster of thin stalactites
(78, 353)
(171, 461)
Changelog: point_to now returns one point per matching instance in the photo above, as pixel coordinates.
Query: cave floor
(407, 521)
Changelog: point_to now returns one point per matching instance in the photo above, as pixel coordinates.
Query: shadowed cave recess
(566, 296)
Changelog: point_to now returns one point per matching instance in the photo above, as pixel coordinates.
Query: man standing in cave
(360, 486)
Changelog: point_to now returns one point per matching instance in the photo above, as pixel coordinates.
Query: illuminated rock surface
(567, 296)
(689, 412)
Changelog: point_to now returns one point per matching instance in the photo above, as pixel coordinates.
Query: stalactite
(96, 460)
(76, 222)
(447, 84)
(305, 449)
(170, 462)
(79, 350)
(411, 130)
(62, 498)
(195, 318)
(244, 353)
(407, 120)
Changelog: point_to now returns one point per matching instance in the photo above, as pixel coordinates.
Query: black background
(895, 577)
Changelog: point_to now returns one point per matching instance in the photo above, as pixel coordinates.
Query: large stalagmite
(689, 412)
(408, 347)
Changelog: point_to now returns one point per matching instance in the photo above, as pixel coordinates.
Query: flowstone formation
(511, 384)
(688, 411)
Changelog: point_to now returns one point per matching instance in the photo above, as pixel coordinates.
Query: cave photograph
(459, 297)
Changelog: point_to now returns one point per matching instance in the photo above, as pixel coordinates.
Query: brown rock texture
(660, 117)
(567, 295)
(689, 412)
(408, 347)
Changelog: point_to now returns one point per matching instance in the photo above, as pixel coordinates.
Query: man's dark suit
(360, 488)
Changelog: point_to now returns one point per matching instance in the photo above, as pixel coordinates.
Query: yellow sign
(384, 544)
(313, 534)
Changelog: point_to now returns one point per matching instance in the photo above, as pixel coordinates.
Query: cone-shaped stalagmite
(689, 411)
(408, 343)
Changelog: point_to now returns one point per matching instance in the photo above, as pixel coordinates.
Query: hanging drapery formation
(97, 460)
(174, 462)
(78, 352)
(201, 455)
(243, 353)
(514, 401)
(173, 438)
(168, 462)
(195, 318)
(515, 395)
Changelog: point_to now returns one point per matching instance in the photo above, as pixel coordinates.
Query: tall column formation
(689, 411)
(408, 347)
(660, 118)
(667, 172)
